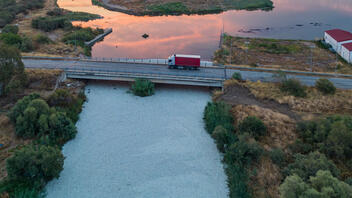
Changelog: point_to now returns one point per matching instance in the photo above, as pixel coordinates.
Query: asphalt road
(215, 73)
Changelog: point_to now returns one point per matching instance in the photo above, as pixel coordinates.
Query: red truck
(180, 61)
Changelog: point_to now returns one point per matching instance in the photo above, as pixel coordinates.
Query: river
(133, 147)
(199, 34)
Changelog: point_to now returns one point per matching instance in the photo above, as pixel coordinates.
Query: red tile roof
(339, 35)
(348, 46)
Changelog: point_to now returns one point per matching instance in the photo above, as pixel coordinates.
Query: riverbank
(179, 7)
(270, 137)
(296, 55)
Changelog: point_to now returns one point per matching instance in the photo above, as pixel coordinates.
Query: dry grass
(315, 102)
(267, 180)
(42, 79)
(299, 56)
(281, 128)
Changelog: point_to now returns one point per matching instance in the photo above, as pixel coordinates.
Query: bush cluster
(48, 24)
(10, 29)
(34, 118)
(253, 126)
(325, 86)
(142, 88)
(25, 44)
(240, 150)
(10, 8)
(293, 87)
(237, 76)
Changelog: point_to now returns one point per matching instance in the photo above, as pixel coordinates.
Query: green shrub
(61, 97)
(243, 152)
(169, 8)
(10, 29)
(143, 87)
(61, 128)
(11, 39)
(42, 39)
(237, 76)
(27, 44)
(27, 193)
(11, 67)
(253, 126)
(20, 106)
(325, 86)
(67, 103)
(323, 184)
(237, 181)
(277, 156)
(293, 87)
(217, 113)
(35, 164)
(50, 23)
(221, 137)
(306, 166)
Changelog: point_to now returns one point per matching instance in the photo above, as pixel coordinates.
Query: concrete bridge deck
(159, 73)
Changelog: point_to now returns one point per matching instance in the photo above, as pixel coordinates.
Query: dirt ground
(279, 54)
(57, 48)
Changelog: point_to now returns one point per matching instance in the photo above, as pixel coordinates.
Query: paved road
(163, 70)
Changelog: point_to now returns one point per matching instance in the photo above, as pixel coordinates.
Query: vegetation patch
(169, 8)
(143, 87)
(325, 86)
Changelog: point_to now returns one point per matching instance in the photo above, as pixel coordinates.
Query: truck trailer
(180, 61)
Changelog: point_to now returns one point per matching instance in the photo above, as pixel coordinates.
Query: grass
(168, 8)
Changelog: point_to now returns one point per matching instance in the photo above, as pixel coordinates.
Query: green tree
(221, 137)
(252, 125)
(10, 29)
(339, 141)
(20, 106)
(61, 128)
(35, 164)
(324, 184)
(306, 166)
(11, 66)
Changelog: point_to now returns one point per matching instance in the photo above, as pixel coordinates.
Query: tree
(306, 166)
(339, 141)
(237, 76)
(323, 184)
(11, 66)
(252, 125)
(35, 164)
(10, 29)
(20, 106)
(61, 128)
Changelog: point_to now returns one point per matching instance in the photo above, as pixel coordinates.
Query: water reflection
(291, 19)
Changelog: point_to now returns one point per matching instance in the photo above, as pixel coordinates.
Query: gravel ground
(129, 146)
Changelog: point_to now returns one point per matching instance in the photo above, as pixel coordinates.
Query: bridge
(157, 71)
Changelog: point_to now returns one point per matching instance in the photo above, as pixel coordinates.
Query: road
(212, 73)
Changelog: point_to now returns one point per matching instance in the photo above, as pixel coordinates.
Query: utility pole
(231, 50)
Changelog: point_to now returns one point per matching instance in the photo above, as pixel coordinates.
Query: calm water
(290, 19)
(133, 147)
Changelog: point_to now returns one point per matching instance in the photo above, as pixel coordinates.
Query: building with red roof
(346, 52)
(336, 38)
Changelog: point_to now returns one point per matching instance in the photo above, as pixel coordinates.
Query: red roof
(340, 35)
(348, 46)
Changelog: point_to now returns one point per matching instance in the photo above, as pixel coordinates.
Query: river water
(199, 34)
(134, 147)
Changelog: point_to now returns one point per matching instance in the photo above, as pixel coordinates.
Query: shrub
(27, 44)
(237, 181)
(143, 87)
(11, 39)
(293, 87)
(243, 152)
(277, 156)
(339, 140)
(237, 76)
(217, 113)
(11, 66)
(61, 97)
(42, 39)
(252, 125)
(35, 164)
(306, 166)
(325, 86)
(324, 184)
(50, 23)
(221, 137)
(20, 106)
(10, 29)
(61, 128)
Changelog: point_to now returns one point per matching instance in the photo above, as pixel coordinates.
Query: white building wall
(346, 54)
(339, 46)
(328, 39)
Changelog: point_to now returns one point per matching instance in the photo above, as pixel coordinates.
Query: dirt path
(238, 95)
